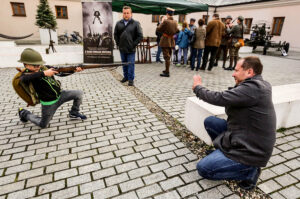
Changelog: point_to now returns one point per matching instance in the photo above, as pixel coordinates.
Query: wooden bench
(286, 99)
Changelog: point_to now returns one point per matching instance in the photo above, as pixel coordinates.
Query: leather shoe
(165, 75)
(229, 68)
(124, 80)
(130, 83)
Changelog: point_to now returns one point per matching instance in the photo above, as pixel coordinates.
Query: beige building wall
(19, 25)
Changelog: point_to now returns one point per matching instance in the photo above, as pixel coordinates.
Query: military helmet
(240, 18)
(229, 17)
(30, 56)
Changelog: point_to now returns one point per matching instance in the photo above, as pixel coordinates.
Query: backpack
(25, 91)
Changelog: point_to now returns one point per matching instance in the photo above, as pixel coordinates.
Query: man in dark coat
(214, 31)
(244, 142)
(128, 34)
(168, 28)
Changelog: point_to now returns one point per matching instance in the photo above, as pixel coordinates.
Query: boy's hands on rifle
(78, 69)
(50, 72)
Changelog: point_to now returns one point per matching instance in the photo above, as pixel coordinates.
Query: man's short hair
(216, 15)
(127, 8)
(254, 63)
(200, 22)
(193, 19)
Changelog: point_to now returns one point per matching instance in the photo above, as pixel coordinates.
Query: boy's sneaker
(77, 116)
(178, 65)
(22, 112)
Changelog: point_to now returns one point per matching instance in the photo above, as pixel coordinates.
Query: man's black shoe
(216, 64)
(202, 68)
(209, 69)
(249, 185)
(130, 83)
(192, 68)
(22, 113)
(165, 75)
(159, 61)
(229, 68)
(77, 116)
(124, 80)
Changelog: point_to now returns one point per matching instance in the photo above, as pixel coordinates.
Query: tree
(45, 17)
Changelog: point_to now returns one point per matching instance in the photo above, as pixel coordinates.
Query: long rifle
(72, 68)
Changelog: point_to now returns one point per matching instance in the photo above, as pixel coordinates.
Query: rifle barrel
(70, 68)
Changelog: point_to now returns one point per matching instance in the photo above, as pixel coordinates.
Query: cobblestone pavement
(122, 150)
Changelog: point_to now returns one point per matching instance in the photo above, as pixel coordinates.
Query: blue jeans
(216, 166)
(128, 70)
(185, 52)
(196, 53)
(158, 53)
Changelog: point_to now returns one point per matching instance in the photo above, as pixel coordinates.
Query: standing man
(128, 34)
(224, 43)
(214, 32)
(236, 32)
(168, 28)
(158, 36)
(244, 143)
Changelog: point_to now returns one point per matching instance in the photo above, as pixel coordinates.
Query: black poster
(97, 32)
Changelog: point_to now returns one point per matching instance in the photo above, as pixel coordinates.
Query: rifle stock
(72, 68)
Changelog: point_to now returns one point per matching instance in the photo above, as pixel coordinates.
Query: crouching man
(244, 143)
(48, 90)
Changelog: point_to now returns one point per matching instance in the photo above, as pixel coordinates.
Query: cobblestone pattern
(120, 151)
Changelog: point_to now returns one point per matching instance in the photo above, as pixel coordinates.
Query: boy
(47, 89)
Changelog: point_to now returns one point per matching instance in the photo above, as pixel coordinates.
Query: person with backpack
(40, 81)
(183, 43)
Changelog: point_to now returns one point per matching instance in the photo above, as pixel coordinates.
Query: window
(248, 23)
(18, 9)
(205, 18)
(277, 25)
(181, 18)
(61, 12)
(155, 18)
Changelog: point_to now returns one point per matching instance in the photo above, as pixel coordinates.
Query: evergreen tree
(45, 17)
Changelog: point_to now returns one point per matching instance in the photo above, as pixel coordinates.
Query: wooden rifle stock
(72, 68)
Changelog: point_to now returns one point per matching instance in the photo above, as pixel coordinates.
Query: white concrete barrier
(286, 99)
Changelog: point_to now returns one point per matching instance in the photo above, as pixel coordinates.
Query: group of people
(216, 38)
(243, 144)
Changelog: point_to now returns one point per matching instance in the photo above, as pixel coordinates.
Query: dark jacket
(158, 34)
(168, 28)
(236, 31)
(251, 121)
(129, 36)
(47, 88)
